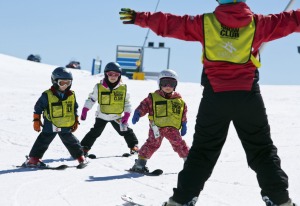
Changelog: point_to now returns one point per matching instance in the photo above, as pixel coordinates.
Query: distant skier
(113, 101)
(167, 115)
(59, 108)
(231, 37)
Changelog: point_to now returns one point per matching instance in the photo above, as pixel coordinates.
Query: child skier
(167, 115)
(59, 108)
(113, 100)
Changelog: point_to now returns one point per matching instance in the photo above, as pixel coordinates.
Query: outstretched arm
(185, 27)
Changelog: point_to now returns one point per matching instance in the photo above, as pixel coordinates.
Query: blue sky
(61, 31)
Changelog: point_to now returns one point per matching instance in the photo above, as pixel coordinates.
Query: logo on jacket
(227, 32)
(228, 46)
(118, 96)
(69, 106)
(176, 107)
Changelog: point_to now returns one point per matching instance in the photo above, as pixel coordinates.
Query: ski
(129, 199)
(60, 167)
(156, 172)
(47, 167)
(93, 156)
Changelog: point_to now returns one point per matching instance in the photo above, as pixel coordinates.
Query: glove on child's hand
(125, 117)
(75, 125)
(37, 124)
(183, 129)
(136, 117)
(127, 16)
(84, 113)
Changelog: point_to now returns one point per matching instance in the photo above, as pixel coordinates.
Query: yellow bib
(222, 43)
(60, 113)
(112, 102)
(167, 112)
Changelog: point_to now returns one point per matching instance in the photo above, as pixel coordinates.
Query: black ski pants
(90, 138)
(247, 112)
(43, 141)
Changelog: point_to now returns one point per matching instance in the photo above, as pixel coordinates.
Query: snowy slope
(104, 180)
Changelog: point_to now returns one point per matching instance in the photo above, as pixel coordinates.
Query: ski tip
(126, 155)
(125, 197)
(130, 200)
(157, 172)
(62, 167)
(92, 156)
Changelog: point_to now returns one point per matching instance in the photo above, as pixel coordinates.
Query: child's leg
(72, 144)
(94, 133)
(150, 146)
(178, 144)
(41, 144)
(128, 135)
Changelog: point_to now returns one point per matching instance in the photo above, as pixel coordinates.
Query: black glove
(127, 15)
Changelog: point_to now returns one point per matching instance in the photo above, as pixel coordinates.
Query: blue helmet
(113, 66)
(230, 1)
(61, 73)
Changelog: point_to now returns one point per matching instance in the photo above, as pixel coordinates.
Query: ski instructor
(231, 37)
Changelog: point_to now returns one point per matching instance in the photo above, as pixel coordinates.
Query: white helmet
(168, 73)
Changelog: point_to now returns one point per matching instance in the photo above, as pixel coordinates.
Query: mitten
(75, 125)
(127, 16)
(183, 129)
(125, 117)
(136, 117)
(84, 113)
(37, 124)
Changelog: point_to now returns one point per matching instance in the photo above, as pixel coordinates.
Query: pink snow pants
(170, 133)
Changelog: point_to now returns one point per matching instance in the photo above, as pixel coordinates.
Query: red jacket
(224, 76)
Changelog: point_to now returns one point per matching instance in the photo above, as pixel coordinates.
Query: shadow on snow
(107, 178)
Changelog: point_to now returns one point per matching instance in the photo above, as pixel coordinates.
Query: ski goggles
(113, 74)
(64, 82)
(168, 82)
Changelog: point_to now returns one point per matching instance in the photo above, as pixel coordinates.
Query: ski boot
(270, 203)
(171, 202)
(140, 166)
(85, 150)
(134, 150)
(33, 162)
(82, 162)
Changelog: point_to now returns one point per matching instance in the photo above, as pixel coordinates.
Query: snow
(104, 180)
